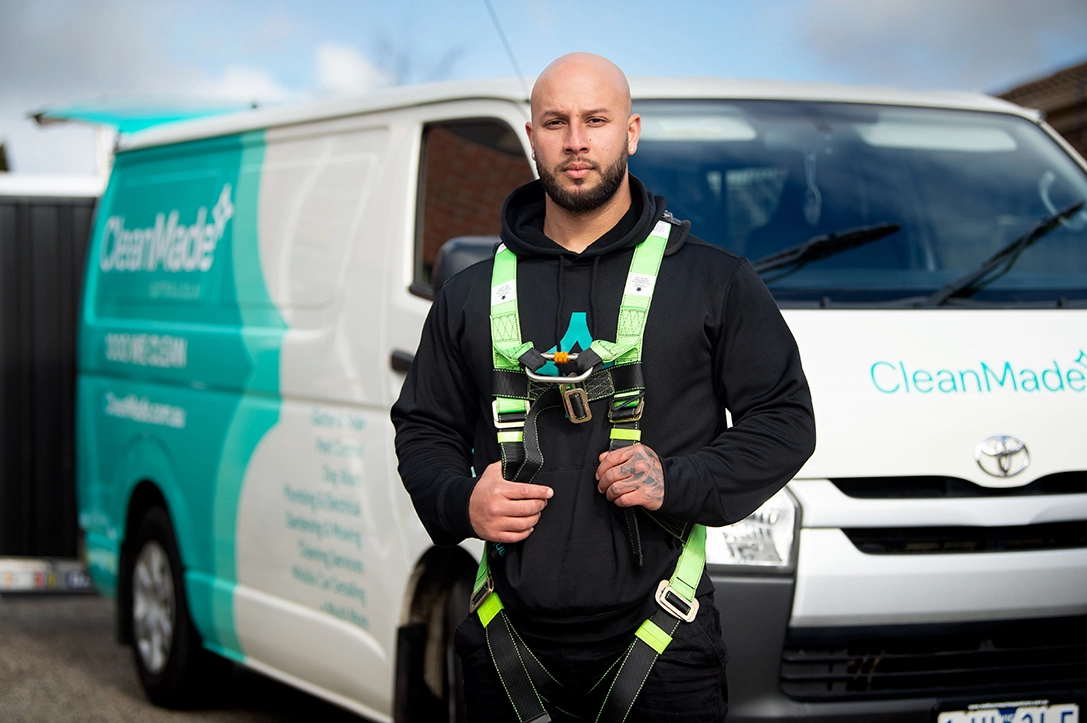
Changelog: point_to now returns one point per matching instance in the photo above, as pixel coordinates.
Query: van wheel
(174, 668)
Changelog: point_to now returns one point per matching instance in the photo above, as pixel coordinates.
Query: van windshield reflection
(763, 177)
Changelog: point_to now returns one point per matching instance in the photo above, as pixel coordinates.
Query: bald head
(582, 131)
(578, 73)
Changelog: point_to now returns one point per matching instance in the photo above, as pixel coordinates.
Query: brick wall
(1063, 98)
(465, 183)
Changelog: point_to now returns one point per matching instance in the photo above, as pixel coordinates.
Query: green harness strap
(606, 370)
(633, 309)
(516, 395)
(530, 687)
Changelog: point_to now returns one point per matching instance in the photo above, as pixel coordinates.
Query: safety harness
(605, 370)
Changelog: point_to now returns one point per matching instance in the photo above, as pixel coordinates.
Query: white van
(255, 290)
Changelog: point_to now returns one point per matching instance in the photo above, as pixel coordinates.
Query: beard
(579, 199)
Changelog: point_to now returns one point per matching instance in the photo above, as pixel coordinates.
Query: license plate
(1020, 711)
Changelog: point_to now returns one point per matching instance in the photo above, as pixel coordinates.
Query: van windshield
(758, 177)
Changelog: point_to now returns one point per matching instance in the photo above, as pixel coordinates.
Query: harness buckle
(480, 596)
(625, 413)
(674, 604)
(576, 402)
(515, 424)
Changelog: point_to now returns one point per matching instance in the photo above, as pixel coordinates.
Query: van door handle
(400, 360)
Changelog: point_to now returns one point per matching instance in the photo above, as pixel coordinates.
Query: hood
(915, 393)
(523, 218)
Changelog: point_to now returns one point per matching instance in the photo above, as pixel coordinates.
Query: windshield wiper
(970, 282)
(820, 247)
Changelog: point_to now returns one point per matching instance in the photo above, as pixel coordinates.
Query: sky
(58, 52)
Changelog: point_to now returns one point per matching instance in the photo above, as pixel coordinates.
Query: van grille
(950, 540)
(1064, 483)
(917, 661)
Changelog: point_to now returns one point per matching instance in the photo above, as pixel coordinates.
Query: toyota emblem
(1002, 455)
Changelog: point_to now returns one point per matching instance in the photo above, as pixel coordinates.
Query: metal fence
(43, 246)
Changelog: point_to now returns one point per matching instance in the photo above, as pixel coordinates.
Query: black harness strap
(533, 455)
(633, 672)
(513, 673)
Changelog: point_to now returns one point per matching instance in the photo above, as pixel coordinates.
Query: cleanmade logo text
(169, 245)
(986, 377)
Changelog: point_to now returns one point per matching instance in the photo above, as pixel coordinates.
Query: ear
(528, 132)
(634, 132)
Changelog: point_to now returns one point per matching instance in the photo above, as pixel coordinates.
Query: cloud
(343, 70)
(244, 83)
(966, 44)
(57, 52)
(75, 48)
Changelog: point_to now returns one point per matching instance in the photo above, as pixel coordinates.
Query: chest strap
(531, 688)
(518, 389)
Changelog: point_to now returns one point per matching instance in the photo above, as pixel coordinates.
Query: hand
(631, 476)
(502, 511)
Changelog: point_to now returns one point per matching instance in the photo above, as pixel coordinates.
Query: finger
(509, 536)
(605, 489)
(618, 489)
(610, 477)
(518, 524)
(613, 458)
(522, 508)
(631, 498)
(522, 491)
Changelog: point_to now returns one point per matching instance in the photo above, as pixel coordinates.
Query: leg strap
(650, 641)
(528, 684)
(513, 665)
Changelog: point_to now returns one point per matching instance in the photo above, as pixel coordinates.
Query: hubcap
(153, 606)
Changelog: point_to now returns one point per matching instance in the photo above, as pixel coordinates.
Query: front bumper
(755, 613)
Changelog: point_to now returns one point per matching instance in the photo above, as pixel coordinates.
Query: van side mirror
(459, 253)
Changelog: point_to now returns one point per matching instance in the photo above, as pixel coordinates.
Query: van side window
(466, 171)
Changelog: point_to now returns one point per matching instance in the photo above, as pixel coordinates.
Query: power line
(506, 45)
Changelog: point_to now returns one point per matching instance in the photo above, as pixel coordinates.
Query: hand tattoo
(642, 471)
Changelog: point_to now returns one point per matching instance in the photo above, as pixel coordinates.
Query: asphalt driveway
(60, 662)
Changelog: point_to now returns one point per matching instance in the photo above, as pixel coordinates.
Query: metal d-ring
(547, 379)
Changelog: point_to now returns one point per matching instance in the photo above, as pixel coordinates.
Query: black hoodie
(714, 339)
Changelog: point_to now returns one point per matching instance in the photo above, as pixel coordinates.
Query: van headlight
(761, 541)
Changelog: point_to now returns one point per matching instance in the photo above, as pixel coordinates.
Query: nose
(577, 140)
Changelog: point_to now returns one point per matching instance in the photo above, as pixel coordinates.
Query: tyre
(174, 668)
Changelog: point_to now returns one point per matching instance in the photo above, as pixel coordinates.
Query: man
(581, 539)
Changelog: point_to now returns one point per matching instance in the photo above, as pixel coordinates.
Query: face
(581, 133)
(582, 198)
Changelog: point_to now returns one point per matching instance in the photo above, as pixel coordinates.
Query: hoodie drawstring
(592, 301)
(592, 295)
(558, 309)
